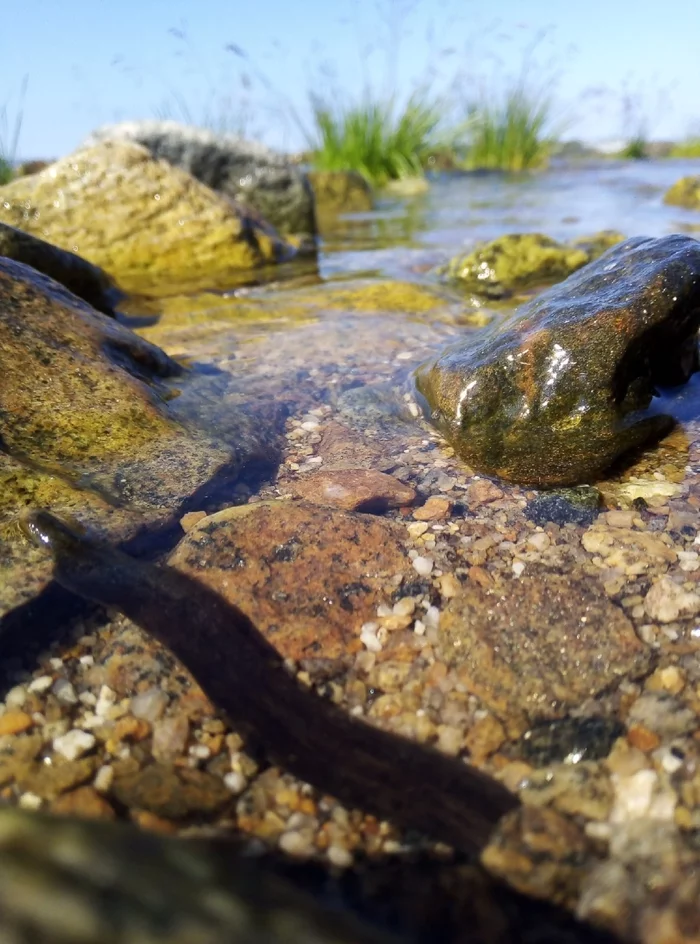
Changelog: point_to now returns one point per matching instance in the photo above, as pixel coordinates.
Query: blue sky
(91, 61)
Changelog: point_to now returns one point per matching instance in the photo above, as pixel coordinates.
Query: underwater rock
(308, 576)
(85, 280)
(246, 171)
(518, 261)
(146, 223)
(540, 646)
(340, 191)
(684, 193)
(579, 506)
(556, 392)
(85, 424)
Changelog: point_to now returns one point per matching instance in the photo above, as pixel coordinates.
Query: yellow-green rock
(143, 221)
(340, 191)
(514, 262)
(85, 280)
(87, 425)
(684, 193)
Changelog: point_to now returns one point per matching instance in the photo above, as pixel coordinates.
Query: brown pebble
(483, 491)
(170, 737)
(642, 738)
(484, 737)
(85, 802)
(434, 509)
(131, 729)
(363, 490)
(14, 722)
(154, 824)
(188, 521)
(480, 576)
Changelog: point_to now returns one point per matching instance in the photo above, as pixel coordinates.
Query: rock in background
(246, 171)
(151, 226)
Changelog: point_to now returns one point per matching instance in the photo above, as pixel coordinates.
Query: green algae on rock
(684, 193)
(513, 262)
(85, 280)
(87, 425)
(518, 261)
(553, 395)
(142, 220)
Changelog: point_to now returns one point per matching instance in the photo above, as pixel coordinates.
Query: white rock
(423, 566)
(41, 684)
(341, 858)
(149, 705)
(105, 702)
(104, 778)
(64, 691)
(74, 744)
(666, 601)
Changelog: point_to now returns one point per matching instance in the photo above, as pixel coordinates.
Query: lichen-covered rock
(684, 193)
(514, 262)
(340, 191)
(85, 425)
(244, 170)
(559, 390)
(85, 280)
(146, 223)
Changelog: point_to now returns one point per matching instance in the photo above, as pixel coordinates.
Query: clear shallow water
(568, 201)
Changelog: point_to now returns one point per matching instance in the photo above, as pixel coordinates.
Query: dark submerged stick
(415, 786)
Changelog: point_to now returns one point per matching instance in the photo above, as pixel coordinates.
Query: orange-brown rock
(308, 576)
(354, 490)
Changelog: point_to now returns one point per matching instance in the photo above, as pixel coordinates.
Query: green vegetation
(688, 148)
(637, 148)
(379, 139)
(9, 136)
(512, 132)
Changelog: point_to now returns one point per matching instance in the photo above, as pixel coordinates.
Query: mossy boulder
(520, 261)
(83, 279)
(556, 392)
(684, 193)
(89, 425)
(245, 171)
(143, 221)
(340, 191)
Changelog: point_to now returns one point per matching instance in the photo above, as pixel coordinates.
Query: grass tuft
(9, 136)
(377, 138)
(510, 132)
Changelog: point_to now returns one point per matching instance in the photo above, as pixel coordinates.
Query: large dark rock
(244, 170)
(79, 276)
(559, 390)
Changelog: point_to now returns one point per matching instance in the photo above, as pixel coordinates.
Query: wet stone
(362, 490)
(543, 398)
(159, 789)
(538, 645)
(80, 277)
(569, 739)
(308, 576)
(580, 506)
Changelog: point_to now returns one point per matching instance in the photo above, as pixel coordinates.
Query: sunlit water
(360, 362)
